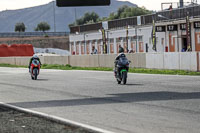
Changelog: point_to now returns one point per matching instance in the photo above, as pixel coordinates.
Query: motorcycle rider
(121, 54)
(121, 49)
(34, 57)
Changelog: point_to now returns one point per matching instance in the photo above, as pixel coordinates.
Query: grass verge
(9, 65)
(131, 70)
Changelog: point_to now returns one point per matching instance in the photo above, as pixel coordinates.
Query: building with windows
(176, 30)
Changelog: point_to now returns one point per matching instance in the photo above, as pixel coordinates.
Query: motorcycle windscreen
(35, 62)
(123, 61)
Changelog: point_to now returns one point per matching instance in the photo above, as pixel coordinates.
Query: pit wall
(180, 61)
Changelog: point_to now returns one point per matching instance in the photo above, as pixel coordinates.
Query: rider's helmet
(35, 56)
(121, 50)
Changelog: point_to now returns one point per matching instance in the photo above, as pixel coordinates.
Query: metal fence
(33, 34)
(181, 13)
(91, 27)
(122, 22)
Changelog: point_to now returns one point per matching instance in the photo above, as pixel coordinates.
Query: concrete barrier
(82, 61)
(107, 60)
(22, 61)
(42, 59)
(8, 60)
(134, 60)
(193, 61)
(198, 61)
(74, 60)
(137, 60)
(179, 61)
(171, 60)
(61, 60)
(188, 61)
(154, 60)
(94, 61)
(142, 60)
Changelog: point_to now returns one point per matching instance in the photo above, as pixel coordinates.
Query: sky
(18, 4)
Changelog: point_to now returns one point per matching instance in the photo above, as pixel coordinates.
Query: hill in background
(64, 15)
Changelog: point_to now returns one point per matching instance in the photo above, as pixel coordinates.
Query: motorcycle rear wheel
(118, 81)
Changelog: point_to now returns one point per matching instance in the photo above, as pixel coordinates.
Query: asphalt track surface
(147, 104)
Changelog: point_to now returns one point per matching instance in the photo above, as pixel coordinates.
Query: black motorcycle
(122, 65)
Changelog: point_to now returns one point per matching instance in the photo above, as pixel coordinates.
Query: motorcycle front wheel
(35, 74)
(124, 77)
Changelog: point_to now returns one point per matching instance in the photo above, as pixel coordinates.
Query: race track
(147, 104)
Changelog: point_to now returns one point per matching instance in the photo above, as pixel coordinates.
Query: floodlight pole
(75, 16)
(54, 16)
(188, 32)
(127, 26)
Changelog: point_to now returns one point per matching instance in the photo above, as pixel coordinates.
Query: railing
(122, 22)
(175, 14)
(33, 34)
(181, 13)
(90, 27)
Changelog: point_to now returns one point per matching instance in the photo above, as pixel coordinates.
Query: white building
(171, 34)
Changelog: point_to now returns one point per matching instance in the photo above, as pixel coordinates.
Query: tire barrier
(16, 50)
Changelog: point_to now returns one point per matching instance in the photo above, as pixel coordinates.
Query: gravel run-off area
(12, 121)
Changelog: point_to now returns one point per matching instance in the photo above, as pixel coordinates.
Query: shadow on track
(43, 79)
(114, 98)
(133, 84)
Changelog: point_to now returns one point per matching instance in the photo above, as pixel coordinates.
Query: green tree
(20, 27)
(120, 11)
(130, 12)
(88, 18)
(43, 26)
(112, 16)
(125, 11)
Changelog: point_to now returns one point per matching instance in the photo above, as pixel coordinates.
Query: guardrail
(32, 34)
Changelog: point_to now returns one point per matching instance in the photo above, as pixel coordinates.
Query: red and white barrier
(16, 50)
